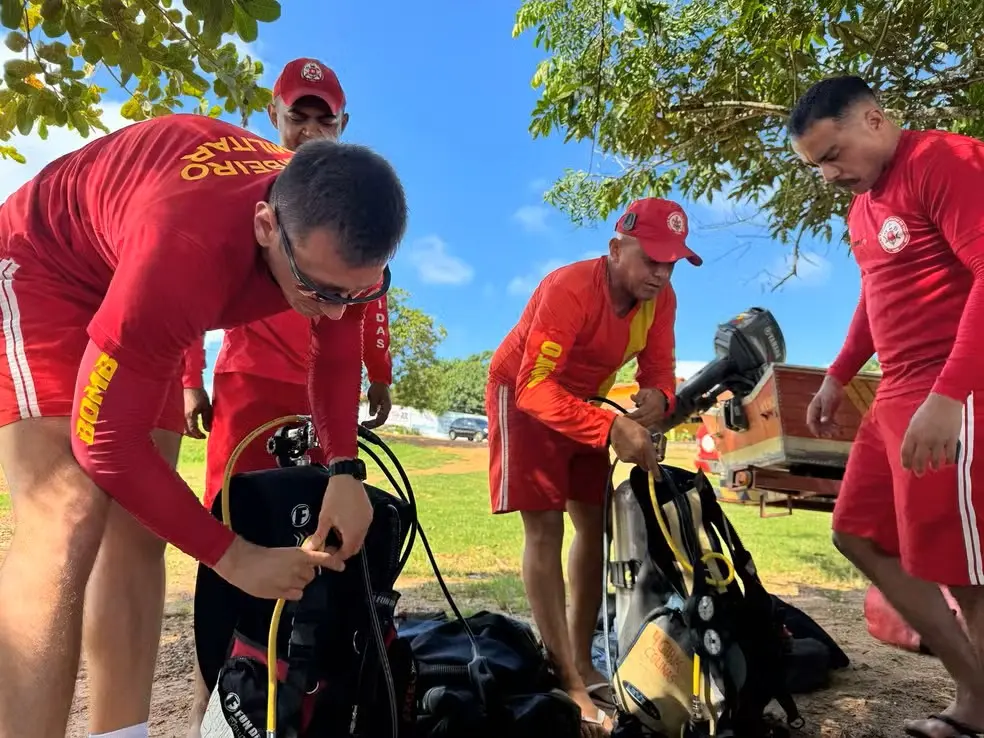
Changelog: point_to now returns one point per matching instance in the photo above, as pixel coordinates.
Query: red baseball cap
(660, 226)
(309, 77)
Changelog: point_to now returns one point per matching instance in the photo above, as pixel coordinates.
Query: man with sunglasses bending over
(261, 369)
(114, 260)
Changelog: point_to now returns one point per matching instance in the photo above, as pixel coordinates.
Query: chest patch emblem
(894, 235)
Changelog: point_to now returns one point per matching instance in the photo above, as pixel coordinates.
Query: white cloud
(524, 284)
(429, 255)
(214, 338)
(812, 270)
(40, 153)
(688, 368)
(533, 218)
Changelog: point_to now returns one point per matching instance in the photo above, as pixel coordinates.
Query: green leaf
(265, 11)
(246, 26)
(131, 62)
(24, 121)
(21, 68)
(9, 152)
(11, 12)
(213, 15)
(52, 9)
(79, 123)
(91, 51)
(15, 41)
(131, 109)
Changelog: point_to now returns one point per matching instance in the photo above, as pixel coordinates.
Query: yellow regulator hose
(271, 719)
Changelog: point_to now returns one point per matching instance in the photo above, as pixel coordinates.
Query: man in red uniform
(548, 444)
(115, 259)
(909, 510)
(261, 370)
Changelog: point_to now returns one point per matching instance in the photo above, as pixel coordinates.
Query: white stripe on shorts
(503, 399)
(965, 498)
(20, 372)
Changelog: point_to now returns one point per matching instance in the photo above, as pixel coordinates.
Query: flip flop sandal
(601, 694)
(963, 730)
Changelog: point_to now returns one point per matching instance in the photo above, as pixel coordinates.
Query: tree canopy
(159, 54)
(695, 95)
(414, 338)
(461, 384)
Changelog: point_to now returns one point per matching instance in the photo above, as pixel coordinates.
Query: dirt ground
(869, 699)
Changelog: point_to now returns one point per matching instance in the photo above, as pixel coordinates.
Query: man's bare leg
(59, 517)
(199, 704)
(923, 607)
(543, 576)
(584, 569)
(123, 614)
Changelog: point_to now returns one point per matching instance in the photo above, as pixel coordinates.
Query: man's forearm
(857, 349)
(962, 372)
(557, 408)
(194, 366)
(115, 410)
(334, 380)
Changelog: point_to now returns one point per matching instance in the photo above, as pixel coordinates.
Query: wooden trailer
(768, 455)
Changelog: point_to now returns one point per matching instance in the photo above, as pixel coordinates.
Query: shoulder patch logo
(676, 223)
(312, 72)
(894, 235)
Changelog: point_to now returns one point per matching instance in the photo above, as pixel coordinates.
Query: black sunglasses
(315, 291)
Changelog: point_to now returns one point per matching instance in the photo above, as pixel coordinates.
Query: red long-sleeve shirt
(155, 224)
(277, 348)
(569, 344)
(918, 237)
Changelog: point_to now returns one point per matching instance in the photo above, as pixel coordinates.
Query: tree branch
(764, 108)
(761, 107)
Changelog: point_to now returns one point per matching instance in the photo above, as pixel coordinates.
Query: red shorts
(44, 322)
(533, 467)
(934, 522)
(241, 403)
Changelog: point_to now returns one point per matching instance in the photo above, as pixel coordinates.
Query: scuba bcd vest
(340, 665)
(700, 645)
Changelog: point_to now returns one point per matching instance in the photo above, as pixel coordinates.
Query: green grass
(469, 542)
(479, 553)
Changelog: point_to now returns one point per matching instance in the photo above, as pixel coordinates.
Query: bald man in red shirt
(910, 512)
(114, 260)
(548, 444)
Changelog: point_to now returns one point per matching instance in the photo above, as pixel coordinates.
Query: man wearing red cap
(261, 370)
(548, 444)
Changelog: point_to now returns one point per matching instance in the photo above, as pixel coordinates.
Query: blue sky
(445, 95)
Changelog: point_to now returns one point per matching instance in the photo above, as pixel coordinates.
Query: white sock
(134, 731)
